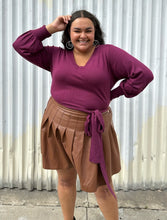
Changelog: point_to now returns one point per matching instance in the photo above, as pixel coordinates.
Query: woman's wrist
(51, 29)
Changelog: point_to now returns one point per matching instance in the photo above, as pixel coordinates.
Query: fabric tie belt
(94, 127)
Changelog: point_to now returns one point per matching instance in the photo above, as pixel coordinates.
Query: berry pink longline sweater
(86, 88)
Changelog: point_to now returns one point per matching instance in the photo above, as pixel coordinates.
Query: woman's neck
(81, 58)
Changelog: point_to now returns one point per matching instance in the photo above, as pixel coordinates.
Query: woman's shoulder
(109, 47)
(111, 50)
(58, 50)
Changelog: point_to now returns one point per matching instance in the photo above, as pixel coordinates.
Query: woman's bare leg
(67, 191)
(107, 203)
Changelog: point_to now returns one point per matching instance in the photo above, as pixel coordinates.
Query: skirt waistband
(67, 117)
(73, 112)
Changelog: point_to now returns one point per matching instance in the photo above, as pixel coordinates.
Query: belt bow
(94, 127)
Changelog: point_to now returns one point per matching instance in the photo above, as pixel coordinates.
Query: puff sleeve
(29, 46)
(134, 75)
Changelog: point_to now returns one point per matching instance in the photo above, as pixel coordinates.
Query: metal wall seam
(19, 102)
(1, 97)
(10, 108)
(162, 97)
(155, 53)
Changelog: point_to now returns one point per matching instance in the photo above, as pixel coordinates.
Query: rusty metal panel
(139, 27)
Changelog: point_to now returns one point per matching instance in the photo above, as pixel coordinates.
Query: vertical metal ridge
(1, 100)
(162, 98)
(155, 54)
(8, 43)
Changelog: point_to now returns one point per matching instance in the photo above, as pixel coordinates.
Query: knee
(67, 183)
(103, 193)
(67, 178)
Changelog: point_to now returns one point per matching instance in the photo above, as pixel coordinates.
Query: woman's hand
(59, 24)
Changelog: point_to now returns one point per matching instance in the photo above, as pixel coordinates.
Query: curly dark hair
(83, 14)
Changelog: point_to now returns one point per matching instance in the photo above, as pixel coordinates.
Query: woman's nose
(83, 34)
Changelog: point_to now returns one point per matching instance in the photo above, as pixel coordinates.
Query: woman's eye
(88, 31)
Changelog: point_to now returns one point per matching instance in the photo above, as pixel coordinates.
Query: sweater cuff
(115, 93)
(41, 33)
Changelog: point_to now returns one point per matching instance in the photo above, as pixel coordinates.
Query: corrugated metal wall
(139, 27)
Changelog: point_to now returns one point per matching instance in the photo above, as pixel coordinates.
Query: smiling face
(82, 34)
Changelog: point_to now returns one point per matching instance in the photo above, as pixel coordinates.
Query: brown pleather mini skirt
(64, 145)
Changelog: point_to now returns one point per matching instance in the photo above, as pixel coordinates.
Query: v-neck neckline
(82, 67)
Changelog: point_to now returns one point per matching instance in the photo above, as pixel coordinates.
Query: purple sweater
(87, 88)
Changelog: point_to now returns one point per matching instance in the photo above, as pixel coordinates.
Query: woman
(77, 134)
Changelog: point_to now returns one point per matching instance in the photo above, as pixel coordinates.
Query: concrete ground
(18, 204)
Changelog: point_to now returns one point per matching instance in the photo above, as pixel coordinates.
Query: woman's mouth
(83, 41)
